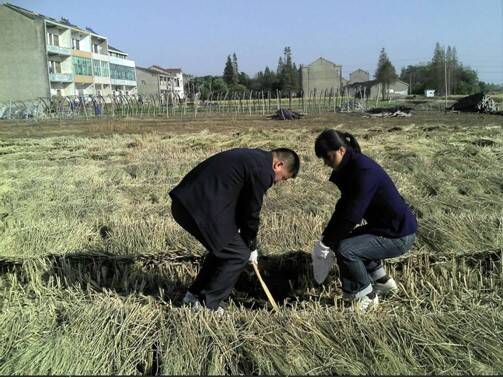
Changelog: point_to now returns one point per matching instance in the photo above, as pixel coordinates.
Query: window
(54, 67)
(75, 44)
(97, 68)
(82, 66)
(105, 69)
(119, 72)
(52, 39)
(95, 48)
(100, 68)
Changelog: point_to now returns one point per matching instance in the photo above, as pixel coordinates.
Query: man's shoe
(191, 300)
(386, 288)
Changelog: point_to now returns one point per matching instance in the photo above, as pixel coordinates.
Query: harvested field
(93, 268)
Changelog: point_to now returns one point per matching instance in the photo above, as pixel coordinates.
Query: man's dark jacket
(367, 192)
(224, 193)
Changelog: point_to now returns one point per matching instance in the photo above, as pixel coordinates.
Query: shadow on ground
(288, 276)
(166, 276)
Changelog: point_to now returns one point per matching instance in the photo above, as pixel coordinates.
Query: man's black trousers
(221, 269)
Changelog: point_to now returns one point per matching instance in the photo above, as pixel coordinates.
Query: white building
(173, 80)
(56, 58)
(122, 72)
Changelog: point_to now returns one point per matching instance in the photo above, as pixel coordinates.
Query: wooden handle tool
(264, 286)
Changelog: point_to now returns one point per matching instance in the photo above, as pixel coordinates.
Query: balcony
(58, 50)
(61, 77)
(122, 62)
(128, 83)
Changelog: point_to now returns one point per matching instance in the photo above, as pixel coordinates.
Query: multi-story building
(44, 57)
(156, 80)
(321, 76)
(122, 72)
(358, 76)
(172, 80)
(149, 81)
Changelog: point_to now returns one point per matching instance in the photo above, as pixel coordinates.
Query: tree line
(444, 73)
(287, 77)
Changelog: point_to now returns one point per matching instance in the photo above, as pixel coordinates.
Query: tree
(218, 84)
(468, 80)
(229, 74)
(244, 79)
(452, 67)
(432, 75)
(255, 83)
(268, 79)
(286, 75)
(385, 72)
(438, 62)
(235, 64)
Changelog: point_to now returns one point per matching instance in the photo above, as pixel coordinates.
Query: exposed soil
(229, 124)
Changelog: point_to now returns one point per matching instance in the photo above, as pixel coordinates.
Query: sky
(198, 35)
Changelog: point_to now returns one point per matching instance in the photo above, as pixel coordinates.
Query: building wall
(148, 83)
(321, 75)
(23, 61)
(396, 89)
(399, 88)
(358, 76)
(176, 84)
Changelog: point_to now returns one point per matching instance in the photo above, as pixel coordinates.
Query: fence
(170, 106)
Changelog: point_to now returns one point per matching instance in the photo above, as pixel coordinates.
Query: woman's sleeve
(350, 209)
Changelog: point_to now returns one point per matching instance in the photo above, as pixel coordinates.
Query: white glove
(253, 257)
(323, 259)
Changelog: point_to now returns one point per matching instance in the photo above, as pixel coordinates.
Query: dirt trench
(288, 276)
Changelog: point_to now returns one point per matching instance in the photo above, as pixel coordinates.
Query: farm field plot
(93, 267)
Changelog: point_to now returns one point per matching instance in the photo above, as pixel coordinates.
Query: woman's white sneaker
(386, 288)
(365, 304)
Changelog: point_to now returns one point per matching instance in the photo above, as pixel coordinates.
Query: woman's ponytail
(331, 140)
(352, 142)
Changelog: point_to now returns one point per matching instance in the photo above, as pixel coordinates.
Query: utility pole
(410, 82)
(445, 77)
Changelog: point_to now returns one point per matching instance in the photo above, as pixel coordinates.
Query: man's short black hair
(290, 157)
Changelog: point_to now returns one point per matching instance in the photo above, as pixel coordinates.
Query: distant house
(358, 76)
(172, 80)
(429, 92)
(321, 76)
(372, 89)
(148, 81)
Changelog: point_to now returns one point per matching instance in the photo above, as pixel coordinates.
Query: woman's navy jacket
(224, 193)
(367, 192)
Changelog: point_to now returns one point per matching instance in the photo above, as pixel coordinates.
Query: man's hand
(323, 259)
(253, 257)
